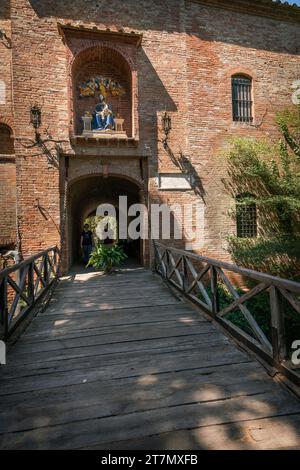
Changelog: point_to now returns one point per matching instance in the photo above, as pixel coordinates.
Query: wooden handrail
(22, 285)
(201, 283)
(255, 275)
(23, 263)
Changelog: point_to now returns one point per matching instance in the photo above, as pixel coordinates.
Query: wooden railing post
(184, 275)
(214, 290)
(156, 258)
(30, 288)
(4, 307)
(167, 263)
(55, 259)
(277, 320)
(46, 269)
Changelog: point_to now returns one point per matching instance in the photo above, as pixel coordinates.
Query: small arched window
(6, 140)
(242, 98)
(246, 216)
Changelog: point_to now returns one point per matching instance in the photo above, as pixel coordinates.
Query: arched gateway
(85, 195)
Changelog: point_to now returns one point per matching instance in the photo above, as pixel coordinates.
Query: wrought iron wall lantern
(167, 126)
(36, 116)
(49, 146)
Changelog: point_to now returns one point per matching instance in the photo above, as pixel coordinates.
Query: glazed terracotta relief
(102, 120)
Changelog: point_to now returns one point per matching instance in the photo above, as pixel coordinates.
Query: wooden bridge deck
(118, 362)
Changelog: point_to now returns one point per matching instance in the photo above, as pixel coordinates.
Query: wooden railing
(231, 295)
(22, 285)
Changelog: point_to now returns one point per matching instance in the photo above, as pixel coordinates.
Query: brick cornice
(266, 8)
(104, 34)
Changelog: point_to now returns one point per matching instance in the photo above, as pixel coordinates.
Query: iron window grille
(246, 219)
(242, 99)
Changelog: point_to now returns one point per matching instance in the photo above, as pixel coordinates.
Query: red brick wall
(221, 43)
(7, 165)
(7, 202)
(5, 60)
(184, 65)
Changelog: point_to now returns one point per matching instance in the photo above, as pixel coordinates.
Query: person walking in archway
(86, 242)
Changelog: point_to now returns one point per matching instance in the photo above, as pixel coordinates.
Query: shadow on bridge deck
(119, 362)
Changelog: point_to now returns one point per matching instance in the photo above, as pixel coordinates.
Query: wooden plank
(108, 291)
(125, 330)
(81, 351)
(103, 338)
(123, 295)
(238, 375)
(53, 374)
(146, 392)
(113, 304)
(135, 425)
(128, 363)
(127, 369)
(77, 320)
(278, 433)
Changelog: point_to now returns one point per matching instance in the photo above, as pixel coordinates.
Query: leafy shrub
(106, 257)
(279, 255)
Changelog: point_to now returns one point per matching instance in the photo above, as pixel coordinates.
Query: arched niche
(107, 63)
(6, 140)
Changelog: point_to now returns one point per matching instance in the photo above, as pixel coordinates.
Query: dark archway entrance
(85, 195)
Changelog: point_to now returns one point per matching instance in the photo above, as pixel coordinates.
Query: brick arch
(6, 139)
(97, 46)
(7, 122)
(122, 174)
(241, 71)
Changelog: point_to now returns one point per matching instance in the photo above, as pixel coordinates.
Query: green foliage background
(268, 175)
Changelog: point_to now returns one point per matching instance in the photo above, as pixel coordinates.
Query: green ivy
(268, 174)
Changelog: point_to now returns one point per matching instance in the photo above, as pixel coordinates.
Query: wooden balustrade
(22, 285)
(202, 280)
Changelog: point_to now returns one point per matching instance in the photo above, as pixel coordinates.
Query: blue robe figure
(103, 117)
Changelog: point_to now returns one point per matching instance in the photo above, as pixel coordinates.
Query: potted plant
(107, 257)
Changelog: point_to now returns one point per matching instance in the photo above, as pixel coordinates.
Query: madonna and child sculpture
(102, 123)
(103, 117)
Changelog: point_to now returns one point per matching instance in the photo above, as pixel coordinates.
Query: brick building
(218, 68)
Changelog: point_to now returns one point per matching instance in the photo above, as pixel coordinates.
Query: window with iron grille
(242, 98)
(246, 218)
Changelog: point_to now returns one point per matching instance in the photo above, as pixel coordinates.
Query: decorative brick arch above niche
(102, 69)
